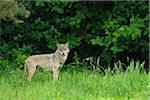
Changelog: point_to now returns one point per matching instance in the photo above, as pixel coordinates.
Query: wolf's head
(63, 49)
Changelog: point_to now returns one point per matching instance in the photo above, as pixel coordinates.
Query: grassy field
(75, 84)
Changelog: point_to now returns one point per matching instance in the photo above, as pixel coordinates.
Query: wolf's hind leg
(31, 71)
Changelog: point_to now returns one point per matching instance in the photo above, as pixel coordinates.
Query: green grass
(75, 84)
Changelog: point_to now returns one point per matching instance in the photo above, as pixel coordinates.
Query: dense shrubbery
(10, 10)
(114, 27)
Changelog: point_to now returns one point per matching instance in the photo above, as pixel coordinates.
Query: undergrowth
(78, 83)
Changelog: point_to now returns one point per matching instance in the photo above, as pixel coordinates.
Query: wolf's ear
(67, 44)
(58, 44)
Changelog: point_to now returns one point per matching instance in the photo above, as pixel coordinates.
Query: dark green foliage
(126, 26)
(10, 9)
(115, 27)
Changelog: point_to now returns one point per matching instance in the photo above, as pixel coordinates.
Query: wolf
(47, 61)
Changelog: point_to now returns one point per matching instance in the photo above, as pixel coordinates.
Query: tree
(10, 10)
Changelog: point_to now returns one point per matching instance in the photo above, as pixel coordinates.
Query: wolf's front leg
(55, 72)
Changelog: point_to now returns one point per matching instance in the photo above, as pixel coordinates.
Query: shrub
(115, 27)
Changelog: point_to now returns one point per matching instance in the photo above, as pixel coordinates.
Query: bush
(5, 64)
(115, 27)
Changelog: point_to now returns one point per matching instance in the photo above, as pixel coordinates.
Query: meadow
(106, 31)
(77, 83)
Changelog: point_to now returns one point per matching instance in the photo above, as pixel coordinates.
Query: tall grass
(76, 83)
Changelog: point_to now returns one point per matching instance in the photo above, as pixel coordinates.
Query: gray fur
(47, 61)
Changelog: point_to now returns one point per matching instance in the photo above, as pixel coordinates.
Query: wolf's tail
(25, 69)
